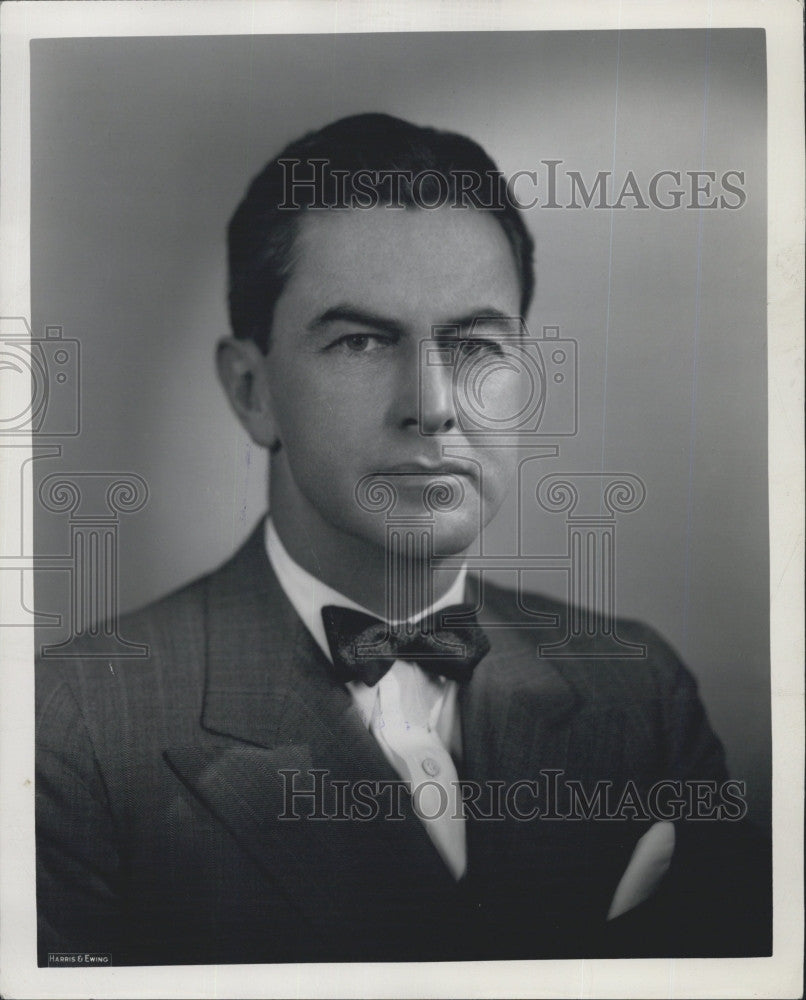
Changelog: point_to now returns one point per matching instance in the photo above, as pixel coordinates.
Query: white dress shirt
(411, 713)
(414, 717)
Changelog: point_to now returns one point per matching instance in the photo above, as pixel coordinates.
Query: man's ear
(241, 367)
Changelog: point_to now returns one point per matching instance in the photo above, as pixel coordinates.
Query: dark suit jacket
(159, 797)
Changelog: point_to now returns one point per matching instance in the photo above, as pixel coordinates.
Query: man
(317, 760)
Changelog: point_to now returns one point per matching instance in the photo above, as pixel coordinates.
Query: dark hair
(360, 161)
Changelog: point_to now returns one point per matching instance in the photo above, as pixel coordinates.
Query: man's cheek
(498, 480)
(498, 465)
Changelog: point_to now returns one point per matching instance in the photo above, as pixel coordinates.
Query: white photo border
(778, 976)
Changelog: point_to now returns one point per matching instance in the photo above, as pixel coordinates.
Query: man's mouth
(432, 468)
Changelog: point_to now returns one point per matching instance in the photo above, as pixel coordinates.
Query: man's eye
(360, 343)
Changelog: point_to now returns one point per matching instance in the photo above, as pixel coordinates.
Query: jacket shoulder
(156, 648)
(629, 652)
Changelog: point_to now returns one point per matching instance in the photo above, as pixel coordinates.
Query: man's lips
(441, 485)
(435, 468)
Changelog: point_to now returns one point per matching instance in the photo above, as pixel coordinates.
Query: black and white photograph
(400, 561)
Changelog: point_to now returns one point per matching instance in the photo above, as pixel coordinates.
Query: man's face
(349, 396)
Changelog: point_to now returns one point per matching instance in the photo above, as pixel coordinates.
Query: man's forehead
(388, 255)
(386, 226)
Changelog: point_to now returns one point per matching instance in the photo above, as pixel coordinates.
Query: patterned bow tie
(364, 647)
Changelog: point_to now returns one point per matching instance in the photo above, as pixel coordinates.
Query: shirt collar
(308, 595)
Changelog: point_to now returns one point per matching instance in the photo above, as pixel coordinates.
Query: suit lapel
(517, 707)
(271, 706)
(271, 701)
(524, 716)
(268, 683)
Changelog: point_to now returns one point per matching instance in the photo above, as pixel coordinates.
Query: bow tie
(364, 647)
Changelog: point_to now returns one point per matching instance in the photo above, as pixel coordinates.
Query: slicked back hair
(358, 162)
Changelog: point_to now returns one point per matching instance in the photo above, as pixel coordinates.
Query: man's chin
(445, 534)
(449, 534)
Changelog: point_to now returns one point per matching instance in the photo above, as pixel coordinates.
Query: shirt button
(431, 767)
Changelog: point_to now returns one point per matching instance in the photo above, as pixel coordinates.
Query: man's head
(334, 287)
(356, 161)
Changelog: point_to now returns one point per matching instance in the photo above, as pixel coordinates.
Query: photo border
(778, 976)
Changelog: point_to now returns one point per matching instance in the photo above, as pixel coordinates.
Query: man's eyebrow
(482, 313)
(362, 317)
(351, 314)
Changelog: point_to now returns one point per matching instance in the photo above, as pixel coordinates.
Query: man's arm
(716, 897)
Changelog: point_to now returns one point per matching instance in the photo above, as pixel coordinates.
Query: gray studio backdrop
(142, 148)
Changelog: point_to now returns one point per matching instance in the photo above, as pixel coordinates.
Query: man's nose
(435, 385)
(426, 396)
